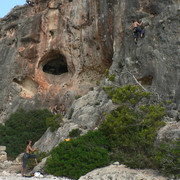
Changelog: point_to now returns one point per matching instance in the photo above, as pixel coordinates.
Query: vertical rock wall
(53, 51)
(58, 49)
(154, 60)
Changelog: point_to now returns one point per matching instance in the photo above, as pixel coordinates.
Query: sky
(7, 5)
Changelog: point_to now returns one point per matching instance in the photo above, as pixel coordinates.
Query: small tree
(132, 127)
(21, 126)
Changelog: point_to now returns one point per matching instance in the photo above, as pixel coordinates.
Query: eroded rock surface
(120, 172)
(53, 51)
(57, 50)
(7, 165)
(85, 113)
(170, 132)
(154, 61)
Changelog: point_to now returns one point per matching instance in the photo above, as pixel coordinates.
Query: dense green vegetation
(127, 135)
(22, 126)
(110, 77)
(79, 156)
(75, 133)
(167, 158)
(132, 127)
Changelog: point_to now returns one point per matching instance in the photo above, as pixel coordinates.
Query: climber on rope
(136, 30)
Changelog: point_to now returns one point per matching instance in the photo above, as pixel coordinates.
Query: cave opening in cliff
(56, 65)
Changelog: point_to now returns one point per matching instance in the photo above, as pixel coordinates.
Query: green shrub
(126, 94)
(54, 122)
(78, 156)
(132, 128)
(167, 158)
(21, 126)
(132, 131)
(169, 102)
(110, 77)
(75, 133)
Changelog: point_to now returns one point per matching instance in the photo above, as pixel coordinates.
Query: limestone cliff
(154, 61)
(53, 51)
(58, 49)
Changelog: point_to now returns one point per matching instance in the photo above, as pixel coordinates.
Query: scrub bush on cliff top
(21, 126)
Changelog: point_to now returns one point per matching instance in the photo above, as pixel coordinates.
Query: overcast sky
(7, 5)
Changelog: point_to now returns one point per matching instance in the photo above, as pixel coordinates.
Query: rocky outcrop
(154, 61)
(3, 154)
(7, 166)
(170, 132)
(85, 113)
(120, 172)
(53, 51)
(58, 50)
(14, 176)
(51, 139)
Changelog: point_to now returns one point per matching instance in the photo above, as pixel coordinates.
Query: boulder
(120, 172)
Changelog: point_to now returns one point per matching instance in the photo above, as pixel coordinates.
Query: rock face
(5, 165)
(120, 172)
(3, 154)
(154, 61)
(58, 49)
(53, 51)
(85, 113)
(170, 132)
